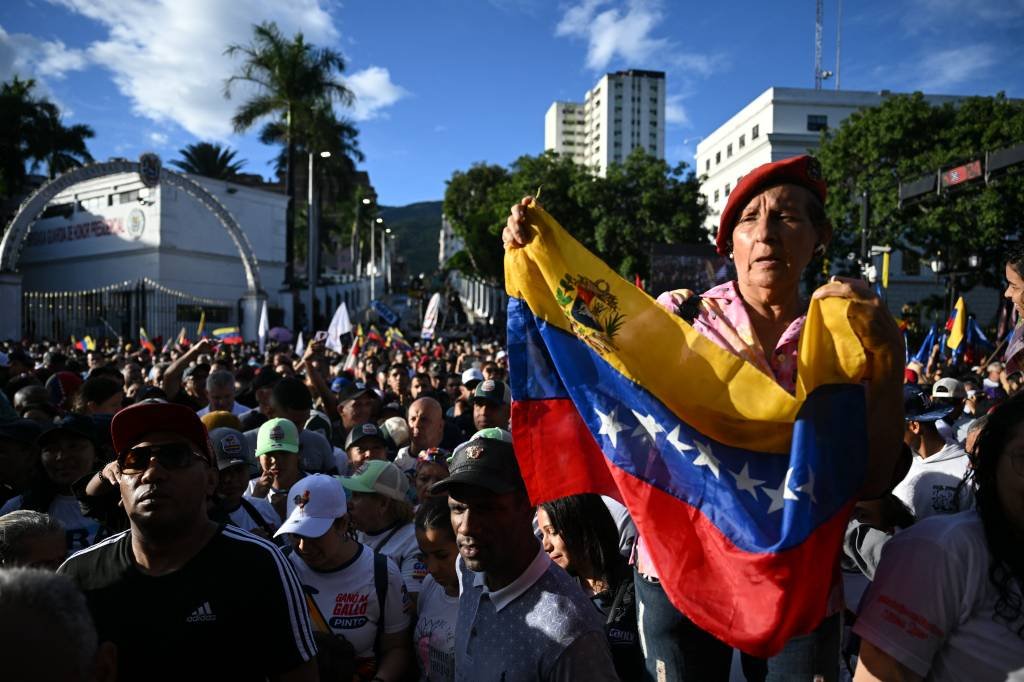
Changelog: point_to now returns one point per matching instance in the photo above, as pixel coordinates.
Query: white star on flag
(745, 482)
(610, 426)
(788, 492)
(705, 458)
(673, 440)
(647, 425)
(775, 495)
(808, 487)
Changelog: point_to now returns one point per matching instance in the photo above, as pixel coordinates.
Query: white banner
(340, 325)
(430, 318)
(264, 329)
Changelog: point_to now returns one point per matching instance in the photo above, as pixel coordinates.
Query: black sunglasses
(171, 456)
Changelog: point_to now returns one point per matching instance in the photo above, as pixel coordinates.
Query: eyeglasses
(171, 456)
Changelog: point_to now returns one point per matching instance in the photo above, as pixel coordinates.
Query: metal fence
(119, 310)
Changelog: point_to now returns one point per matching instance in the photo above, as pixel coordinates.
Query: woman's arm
(395, 656)
(874, 665)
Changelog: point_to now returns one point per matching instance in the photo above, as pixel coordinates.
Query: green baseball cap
(376, 476)
(277, 435)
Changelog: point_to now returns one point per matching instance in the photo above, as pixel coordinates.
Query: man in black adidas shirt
(179, 595)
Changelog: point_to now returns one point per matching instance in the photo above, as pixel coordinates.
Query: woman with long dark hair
(946, 602)
(68, 453)
(579, 534)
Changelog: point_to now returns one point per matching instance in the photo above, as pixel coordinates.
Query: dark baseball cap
(265, 378)
(132, 423)
(230, 447)
(485, 463)
(351, 392)
(201, 369)
(917, 407)
(493, 391)
(70, 425)
(361, 432)
(24, 431)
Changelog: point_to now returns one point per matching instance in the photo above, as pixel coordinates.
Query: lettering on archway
(14, 238)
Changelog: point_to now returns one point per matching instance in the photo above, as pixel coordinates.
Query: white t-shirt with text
(346, 600)
(930, 487)
(932, 605)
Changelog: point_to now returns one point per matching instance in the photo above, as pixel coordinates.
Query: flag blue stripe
(747, 500)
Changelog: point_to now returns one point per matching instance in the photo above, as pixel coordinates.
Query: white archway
(30, 210)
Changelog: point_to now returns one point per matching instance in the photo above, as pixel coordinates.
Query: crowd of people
(217, 511)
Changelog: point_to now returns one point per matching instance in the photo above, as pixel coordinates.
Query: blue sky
(444, 84)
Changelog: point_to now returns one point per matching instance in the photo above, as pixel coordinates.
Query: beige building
(623, 111)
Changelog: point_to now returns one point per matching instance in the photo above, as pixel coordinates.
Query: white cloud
(944, 69)
(26, 56)
(626, 34)
(374, 91)
(167, 56)
(159, 139)
(675, 113)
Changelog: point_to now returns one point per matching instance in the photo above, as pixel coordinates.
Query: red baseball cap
(133, 422)
(804, 171)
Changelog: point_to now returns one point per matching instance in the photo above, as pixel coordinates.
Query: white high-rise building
(623, 111)
(779, 123)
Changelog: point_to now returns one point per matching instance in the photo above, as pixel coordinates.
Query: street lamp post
(938, 266)
(313, 245)
(389, 241)
(357, 253)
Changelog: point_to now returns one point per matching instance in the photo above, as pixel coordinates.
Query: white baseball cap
(319, 500)
(948, 388)
(473, 374)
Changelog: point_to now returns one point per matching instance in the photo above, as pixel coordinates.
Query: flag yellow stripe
(715, 391)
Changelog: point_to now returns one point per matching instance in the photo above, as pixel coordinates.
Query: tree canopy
(33, 135)
(904, 138)
(640, 203)
(209, 159)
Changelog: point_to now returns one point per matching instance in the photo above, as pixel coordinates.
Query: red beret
(797, 170)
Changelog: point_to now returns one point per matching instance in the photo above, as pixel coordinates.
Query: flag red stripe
(756, 601)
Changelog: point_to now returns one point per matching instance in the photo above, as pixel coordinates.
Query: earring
(819, 250)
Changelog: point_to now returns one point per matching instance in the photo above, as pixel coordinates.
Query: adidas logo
(204, 614)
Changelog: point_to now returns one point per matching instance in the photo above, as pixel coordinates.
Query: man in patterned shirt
(521, 617)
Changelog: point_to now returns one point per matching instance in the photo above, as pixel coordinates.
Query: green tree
(290, 76)
(33, 134)
(471, 203)
(904, 138)
(210, 160)
(640, 203)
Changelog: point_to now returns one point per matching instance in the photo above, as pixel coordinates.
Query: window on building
(718, 158)
(743, 141)
(716, 196)
(728, 188)
(755, 131)
(728, 151)
(817, 122)
(654, 149)
(126, 197)
(654, 101)
(58, 210)
(707, 165)
(911, 263)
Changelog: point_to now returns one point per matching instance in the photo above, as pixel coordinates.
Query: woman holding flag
(773, 226)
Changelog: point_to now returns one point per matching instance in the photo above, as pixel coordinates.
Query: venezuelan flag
(228, 335)
(956, 325)
(144, 340)
(741, 490)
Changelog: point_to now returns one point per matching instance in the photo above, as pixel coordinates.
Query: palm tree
(210, 160)
(60, 147)
(32, 133)
(289, 76)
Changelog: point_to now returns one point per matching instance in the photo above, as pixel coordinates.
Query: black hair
(96, 389)
(588, 530)
(433, 514)
(292, 394)
(1007, 568)
(1015, 257)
